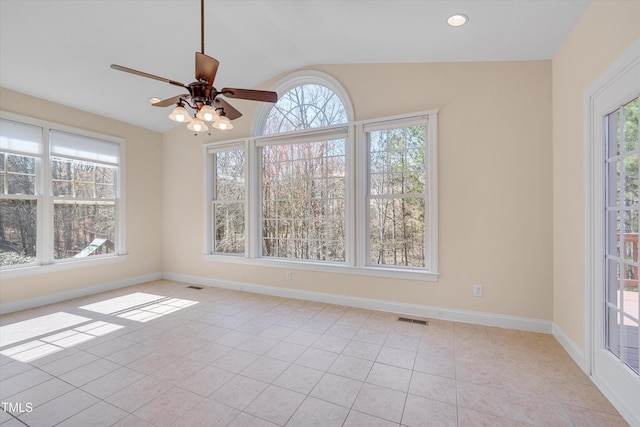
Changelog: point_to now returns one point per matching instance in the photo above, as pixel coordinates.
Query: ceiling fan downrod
(202, 26)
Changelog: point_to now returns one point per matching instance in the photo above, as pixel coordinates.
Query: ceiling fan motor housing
(201, 93)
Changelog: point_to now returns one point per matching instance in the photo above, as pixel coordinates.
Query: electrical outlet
(289, 276)
(477, 290)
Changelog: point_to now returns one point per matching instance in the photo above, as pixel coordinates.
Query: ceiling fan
(202, 96)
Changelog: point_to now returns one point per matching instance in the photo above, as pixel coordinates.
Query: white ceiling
(60, 50)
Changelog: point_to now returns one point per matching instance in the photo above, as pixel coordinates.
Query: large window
(59, 196)
(303, 193)
(229, 200)
(321, 190)
(396, 195)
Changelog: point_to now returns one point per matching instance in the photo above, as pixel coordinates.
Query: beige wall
(495, 186)
(495, 181)
(604, 32)
(143, 204)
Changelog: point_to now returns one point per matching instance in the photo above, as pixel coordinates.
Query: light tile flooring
(163, 354)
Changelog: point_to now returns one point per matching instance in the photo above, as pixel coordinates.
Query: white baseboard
(75, 293)
(487, 319)
(570, 347)
(630, 414)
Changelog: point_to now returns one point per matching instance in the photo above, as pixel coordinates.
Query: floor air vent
(419, 322)
(194, 287)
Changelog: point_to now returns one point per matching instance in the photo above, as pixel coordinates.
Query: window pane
(397, 161)
(74, 178)
(83, 229)
(18, 174)
(229, 228)
(21, 184)
(304, 208)
(397, 232)
(631, 353)
(228, 208)
(230, 172)
(631, 180)
(630, 127)
(17, 232)
(397, 185)
(612, 323)
(305, 107)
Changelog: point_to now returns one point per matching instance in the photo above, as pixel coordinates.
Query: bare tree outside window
(18, 209)
(397, 200)
(304, 203)
(84, 213)
(304, 184)
(59, 193)
(229, 202)
(305, 107)
(359, 195)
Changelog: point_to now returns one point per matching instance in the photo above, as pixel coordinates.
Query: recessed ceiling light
(457, 20)
(154, 100)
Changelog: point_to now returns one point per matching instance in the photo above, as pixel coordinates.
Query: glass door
(622, 212)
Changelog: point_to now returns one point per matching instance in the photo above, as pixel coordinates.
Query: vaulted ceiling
(60, 50)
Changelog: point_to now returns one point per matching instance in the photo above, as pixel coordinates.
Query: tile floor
(163, 354)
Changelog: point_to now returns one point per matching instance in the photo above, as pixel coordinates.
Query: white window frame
(313, 135)
(300, 78)
(431, 188)
(44, 195)
(357, 232)
(210, 186)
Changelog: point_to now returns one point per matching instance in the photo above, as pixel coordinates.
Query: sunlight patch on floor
(139, 306)
(42, 325)
(50, 341)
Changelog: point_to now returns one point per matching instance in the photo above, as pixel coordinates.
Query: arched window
(306, 100)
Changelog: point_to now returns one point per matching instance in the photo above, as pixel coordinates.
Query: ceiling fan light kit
(203, 97)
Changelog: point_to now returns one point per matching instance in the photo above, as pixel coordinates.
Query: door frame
(597, 101)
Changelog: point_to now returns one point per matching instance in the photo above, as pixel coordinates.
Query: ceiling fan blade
(170, 101)
(229, 111)
(206, 67)
(250, 94)
(147, 75)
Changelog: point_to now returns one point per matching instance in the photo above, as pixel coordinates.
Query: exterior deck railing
(631, 238)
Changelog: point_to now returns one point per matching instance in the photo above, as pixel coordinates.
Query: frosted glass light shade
(180, 114)
(197, 125)
(207, 113)
(222, 123)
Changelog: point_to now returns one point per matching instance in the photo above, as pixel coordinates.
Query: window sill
(393, 273)
(32, 270)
